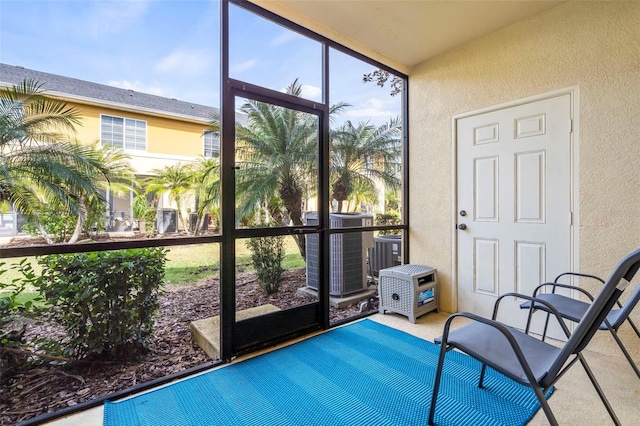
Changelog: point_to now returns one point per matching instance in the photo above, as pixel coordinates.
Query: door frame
(573, 93)
(256, 332)
(227, 118)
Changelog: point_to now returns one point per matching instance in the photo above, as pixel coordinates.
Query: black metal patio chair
(573, 309)
(524, 358)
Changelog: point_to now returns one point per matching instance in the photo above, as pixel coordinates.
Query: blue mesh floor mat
(364, 373)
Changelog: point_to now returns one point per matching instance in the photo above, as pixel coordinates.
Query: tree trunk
(340, 193)
(44, 234)
(181, 219)
(82, 211)
(291, 195)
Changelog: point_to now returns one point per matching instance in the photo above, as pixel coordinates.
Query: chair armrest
(569, 286)
(498, 326)
(578, 274)
(533, 300)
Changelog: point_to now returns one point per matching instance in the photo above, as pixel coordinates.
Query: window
(124, 133)
(211, 143)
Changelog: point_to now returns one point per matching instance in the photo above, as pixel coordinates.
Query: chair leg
(436, 383)
(546, 325)
(625, 352)
(634, 327)
(596, 385)
(544, 404)
(529, 317)
(482, 371)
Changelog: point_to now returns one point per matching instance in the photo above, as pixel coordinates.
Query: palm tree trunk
(44, 234)
(77, 231)
(181, 218)
(292, 198)
(82, 209)
(339, 193)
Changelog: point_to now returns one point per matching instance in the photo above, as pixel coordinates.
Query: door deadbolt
(463, 213)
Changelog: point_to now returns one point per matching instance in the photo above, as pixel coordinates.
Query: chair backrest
(617, 317)
(594, 316)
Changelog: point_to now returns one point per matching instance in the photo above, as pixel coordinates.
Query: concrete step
(206, 332)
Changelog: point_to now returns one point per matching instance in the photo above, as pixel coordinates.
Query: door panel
(276, 168)
(514, 188)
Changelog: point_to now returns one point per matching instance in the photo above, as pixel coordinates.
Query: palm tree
(363, 156)
(177, 180)
(39, 162)
(115, 174)
(206, 186)
(278, 152)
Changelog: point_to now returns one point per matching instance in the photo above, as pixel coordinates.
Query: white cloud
(109, 17)
(372, 108)
(369, 113)
(138, 87)
(187, 62)
(311, 92)
(374, 103)
(284, 38)
(244, 65)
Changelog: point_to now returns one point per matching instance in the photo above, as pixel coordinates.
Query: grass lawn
(189, 264)
(186, 265)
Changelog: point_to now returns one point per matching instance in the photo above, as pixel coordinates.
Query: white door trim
(573, 92)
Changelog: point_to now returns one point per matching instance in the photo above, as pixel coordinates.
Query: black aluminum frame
(254, 333)
(248, 335)
(227, 239)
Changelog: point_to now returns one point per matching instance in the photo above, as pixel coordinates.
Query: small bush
(267, 254)
(389, 218)
(104, 300)
(57, 223)
(13, 304)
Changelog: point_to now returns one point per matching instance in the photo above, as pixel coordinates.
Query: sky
(171, 48)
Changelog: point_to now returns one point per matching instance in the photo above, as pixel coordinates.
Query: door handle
(462, 227)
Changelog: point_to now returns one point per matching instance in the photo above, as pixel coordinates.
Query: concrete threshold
(206, 332)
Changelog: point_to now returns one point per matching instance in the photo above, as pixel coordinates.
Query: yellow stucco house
(154, 131)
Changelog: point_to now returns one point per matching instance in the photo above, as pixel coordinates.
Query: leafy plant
(389, 218)
(267, 254)
(12, 304)
(140, 207)
(56, 223)
(144, 213)
(104, 300)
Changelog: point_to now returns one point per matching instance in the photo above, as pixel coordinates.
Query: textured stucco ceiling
(405, 33)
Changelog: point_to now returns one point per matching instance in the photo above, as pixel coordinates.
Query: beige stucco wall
(594, 46)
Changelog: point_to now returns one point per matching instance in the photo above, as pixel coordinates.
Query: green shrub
(267, 254)
(104, 300)
(10, 301)
(13, 303)
(389, 218)
(96, 220)
(59, 223)
(55, 221)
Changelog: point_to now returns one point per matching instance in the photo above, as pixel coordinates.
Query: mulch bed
(55, 385)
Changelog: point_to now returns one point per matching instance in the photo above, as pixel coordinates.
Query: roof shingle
(14, 75)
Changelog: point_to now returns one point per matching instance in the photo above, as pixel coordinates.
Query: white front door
(513, 203)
